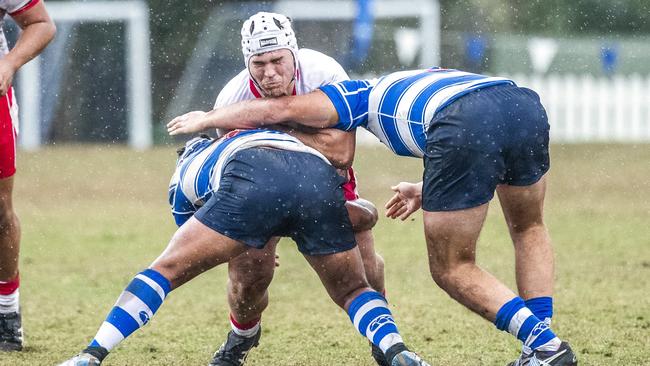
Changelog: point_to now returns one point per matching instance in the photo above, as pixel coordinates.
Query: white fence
(586, 108)
(594, 109)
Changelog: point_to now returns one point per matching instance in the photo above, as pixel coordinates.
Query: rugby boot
(378, 355)
(82, 359)
(234, 350)
(11, 332)
(399, 355)
(523, 360)
(564, 356)
(91, 356)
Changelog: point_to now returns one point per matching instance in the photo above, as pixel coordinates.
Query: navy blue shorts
(496, 135)
(268, 192)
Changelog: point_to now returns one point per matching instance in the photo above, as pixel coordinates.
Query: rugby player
(235, 193)
(37, 31)
(476, 134)
(274, 67)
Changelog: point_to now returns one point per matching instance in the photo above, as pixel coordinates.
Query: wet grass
(93, 216)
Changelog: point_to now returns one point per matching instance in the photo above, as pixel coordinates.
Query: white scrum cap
(264, 32)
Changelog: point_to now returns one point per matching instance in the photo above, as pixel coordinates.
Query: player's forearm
(247, 114)
(31, 42)
(311, 110)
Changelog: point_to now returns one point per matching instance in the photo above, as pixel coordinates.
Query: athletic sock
(542, 307)
(515, 318)
(370, 315)
(10, 296)
(246, 329)
(133, 309)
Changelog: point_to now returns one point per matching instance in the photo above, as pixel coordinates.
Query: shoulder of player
(314, 59)
(317, 69)
(235, 90)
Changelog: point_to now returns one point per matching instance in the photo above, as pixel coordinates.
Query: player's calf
(133, 309)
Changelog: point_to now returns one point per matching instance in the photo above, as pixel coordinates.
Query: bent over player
(476, 134)
(234, 194)
(37, 31)
(274, 67)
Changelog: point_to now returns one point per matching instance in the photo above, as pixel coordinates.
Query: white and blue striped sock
(515, 318)
(133, 309)
(542, 307)
(370, 315)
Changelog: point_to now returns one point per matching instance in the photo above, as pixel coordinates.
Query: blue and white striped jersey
(398, 107)
(198, 170)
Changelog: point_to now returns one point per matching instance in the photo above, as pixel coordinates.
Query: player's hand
(6, 77)
(407, 199)
(188, 123)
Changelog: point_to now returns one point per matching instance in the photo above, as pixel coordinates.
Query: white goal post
(138, 73)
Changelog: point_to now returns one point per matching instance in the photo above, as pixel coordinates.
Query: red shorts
(8, 134)
(350, 187)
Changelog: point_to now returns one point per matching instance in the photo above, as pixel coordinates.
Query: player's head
(270, 49)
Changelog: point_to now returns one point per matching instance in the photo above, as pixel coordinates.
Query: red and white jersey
(314, 69)
(11, 7)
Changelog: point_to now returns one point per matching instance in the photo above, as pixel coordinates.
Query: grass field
(93, 216)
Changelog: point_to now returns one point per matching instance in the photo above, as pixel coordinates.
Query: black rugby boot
(11, 332)
(564, 356)
(378, 355)
(234, 350)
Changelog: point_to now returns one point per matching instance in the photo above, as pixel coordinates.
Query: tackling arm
(312, 110)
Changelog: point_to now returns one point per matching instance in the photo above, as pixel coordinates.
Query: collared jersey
(398, 107)
(198, 169)
(314, 69)
(11, 7)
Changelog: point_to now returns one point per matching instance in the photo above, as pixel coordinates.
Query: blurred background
(94, 209)
(119, 70)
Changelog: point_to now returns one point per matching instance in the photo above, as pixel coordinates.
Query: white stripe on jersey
(410, 136)
(376, 99)
(188, 170)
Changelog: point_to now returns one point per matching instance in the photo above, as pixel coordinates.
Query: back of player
(216, 182)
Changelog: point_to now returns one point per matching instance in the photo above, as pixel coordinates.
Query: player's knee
(249, 287)
(170, 269)
(437, 269)
(446, 270)
(363, 214)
